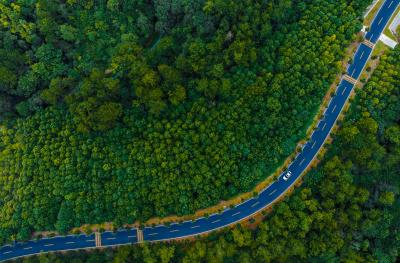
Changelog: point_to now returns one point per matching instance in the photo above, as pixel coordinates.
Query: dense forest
(123, 110)
(347, 210)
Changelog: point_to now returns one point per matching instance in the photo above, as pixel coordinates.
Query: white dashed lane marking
(235, 214)
(216, 221)
(253, 205)
(272, 192)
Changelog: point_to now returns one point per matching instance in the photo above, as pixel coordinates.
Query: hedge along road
(249, 207)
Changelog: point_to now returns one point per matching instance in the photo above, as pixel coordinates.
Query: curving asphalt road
(249, 207)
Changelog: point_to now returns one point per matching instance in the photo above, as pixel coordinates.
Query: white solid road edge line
(227, 225)
(376, 15)
(262, 208)
(228, 209)
(370, 9)
(284, 192)
(387, 22)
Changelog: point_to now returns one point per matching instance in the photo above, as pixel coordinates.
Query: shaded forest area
(347, 210)
(123, 110)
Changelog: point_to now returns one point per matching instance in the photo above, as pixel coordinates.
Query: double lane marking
(139, 234)
(350, 79)
(97, 237)
(369, 43)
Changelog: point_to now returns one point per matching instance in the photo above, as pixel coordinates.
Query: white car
(287, 175)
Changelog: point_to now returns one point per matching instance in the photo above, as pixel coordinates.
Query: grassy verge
(259, 187)
(240, 198)
(387, 30)
(269, 179)
(369, 18)
(380, 47)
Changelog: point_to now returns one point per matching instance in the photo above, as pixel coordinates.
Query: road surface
(247, 208)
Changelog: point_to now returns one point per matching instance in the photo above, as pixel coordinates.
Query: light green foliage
(344, 212)
(68, 32)
(134, 109)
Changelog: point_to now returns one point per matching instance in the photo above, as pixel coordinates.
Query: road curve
(247, 208)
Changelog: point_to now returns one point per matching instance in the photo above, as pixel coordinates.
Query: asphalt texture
(381, 19)
(247, 208)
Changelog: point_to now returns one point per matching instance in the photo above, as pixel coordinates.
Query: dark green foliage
(349, 215)
(124, 110)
